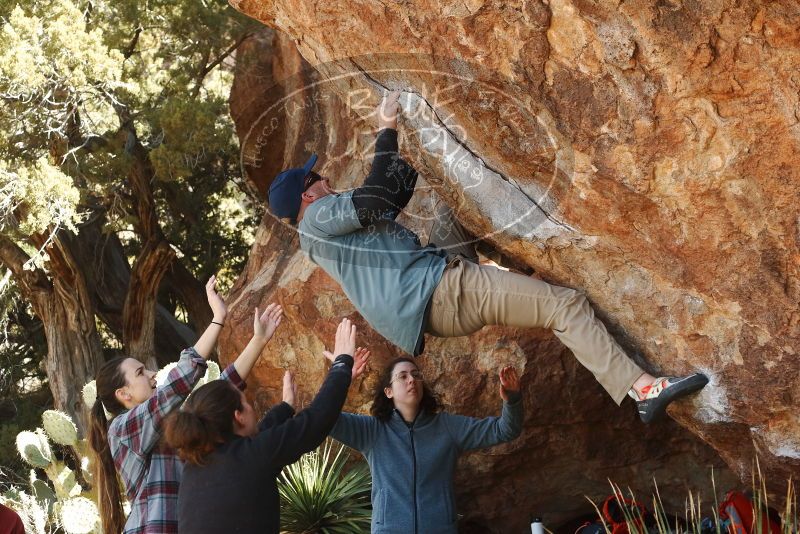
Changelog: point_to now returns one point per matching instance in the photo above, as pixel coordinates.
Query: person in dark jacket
(232, 459)
(412, 448)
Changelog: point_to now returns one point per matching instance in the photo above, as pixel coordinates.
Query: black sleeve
(275, 416)
(284, 443)
(389, 184)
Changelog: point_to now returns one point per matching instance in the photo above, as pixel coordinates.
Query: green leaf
(319, 495)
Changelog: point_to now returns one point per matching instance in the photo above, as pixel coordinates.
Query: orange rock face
(644, 151)
(575, 438)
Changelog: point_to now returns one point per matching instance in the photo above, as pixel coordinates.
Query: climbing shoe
(664, 390)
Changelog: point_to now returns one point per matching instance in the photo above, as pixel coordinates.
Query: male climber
(405, 290)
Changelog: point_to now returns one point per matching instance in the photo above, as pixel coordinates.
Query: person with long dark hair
(232, 459)
(412, 447)
(127, 420)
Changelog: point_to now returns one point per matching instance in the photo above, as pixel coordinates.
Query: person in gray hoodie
(412, 448)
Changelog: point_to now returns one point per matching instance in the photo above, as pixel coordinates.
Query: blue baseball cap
(286, 188)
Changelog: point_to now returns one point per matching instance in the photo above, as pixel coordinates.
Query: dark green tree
(120, 187)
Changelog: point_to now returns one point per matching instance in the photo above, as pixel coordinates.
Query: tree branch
(208, 67)
(188, 214)
(101, 257)
(33, 282)
(134, 41)
(192, 293)
(140, 177)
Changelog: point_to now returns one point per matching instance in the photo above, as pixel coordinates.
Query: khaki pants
(472, 296)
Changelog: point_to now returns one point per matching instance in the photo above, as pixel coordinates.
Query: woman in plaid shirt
(127, 418)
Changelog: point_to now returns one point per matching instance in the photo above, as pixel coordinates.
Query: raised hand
(289, 389)
(387, 110)
(360, 361)
(215, 300)
(345, 340)
(264, 325)
(509, 382)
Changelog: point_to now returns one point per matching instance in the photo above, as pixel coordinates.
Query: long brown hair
(382, 405)
(204, 421)
(108, 380)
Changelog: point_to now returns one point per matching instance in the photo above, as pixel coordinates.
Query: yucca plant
(319, 496)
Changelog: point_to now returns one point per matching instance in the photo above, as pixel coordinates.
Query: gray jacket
(412, 465)
(384, 271)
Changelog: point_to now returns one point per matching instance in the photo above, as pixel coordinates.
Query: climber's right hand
(387, 111)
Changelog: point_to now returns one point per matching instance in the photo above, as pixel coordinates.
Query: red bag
(615, 517)
(737, 509)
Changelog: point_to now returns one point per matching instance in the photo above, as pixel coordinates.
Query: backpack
(737, 512)
(616, 508)
(613, 513)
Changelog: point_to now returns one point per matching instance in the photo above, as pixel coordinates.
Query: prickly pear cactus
(60, 501)
(63, 479)
(89, 394)
(59, 427)
(213, 372)
(161, 375)
(85, 455)
(42, 491)
(34, 448)
(79, 515)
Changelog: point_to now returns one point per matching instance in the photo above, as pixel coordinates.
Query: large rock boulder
(575, 438)
(644, 151)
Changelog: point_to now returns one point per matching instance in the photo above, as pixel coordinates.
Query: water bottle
(536, 526)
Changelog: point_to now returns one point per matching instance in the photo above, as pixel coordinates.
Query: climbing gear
(736, 513)
(664, 390)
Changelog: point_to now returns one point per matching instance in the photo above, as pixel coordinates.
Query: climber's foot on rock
(652, 400)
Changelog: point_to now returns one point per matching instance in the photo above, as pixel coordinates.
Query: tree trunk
(74, 352)
(139, 313)
(192, 293)
(102, 259)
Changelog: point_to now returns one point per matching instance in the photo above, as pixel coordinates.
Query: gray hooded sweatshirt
(412, 465)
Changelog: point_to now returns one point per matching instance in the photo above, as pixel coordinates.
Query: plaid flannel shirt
(150, 469)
